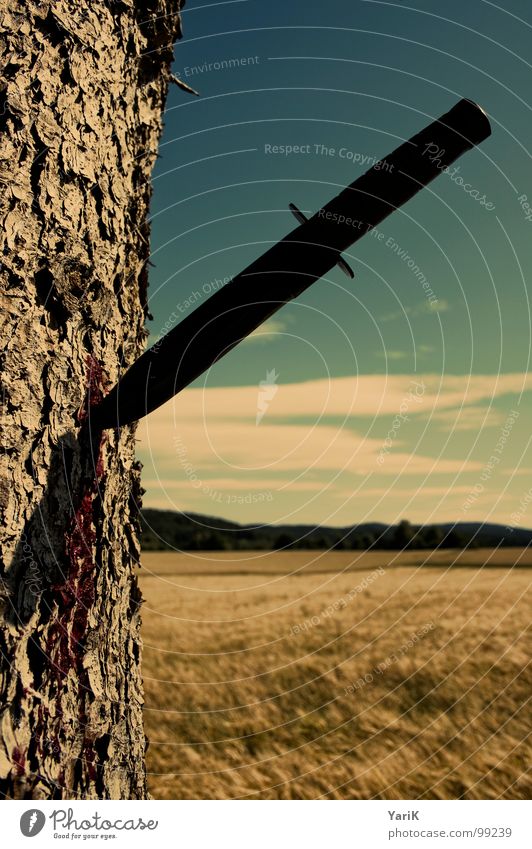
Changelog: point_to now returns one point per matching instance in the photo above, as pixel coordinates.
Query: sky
(365, 399)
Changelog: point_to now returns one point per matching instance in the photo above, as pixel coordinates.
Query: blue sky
(347, 82)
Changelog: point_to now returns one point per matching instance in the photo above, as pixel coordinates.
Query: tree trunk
(83, 86)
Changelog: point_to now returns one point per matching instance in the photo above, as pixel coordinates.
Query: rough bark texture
(83, 86)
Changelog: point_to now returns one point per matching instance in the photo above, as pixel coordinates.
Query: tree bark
(83, 86)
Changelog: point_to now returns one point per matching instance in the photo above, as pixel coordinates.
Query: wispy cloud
(469, 418)
(267, 331)
(423, 308)
(321, 442)
(361, 396)
(393, 355)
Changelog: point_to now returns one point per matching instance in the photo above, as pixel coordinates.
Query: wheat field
(344, 675)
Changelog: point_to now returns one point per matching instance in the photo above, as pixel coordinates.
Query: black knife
(289, 267)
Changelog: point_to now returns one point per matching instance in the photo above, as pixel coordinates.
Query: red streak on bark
(90, 758)
(75, 596)
(96, 378)
(19, 759)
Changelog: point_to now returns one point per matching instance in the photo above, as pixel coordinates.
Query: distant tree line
(166, 530)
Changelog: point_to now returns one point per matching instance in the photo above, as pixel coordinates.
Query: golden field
(345, 675)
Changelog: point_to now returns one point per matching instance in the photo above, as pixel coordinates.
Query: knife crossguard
(301, 218)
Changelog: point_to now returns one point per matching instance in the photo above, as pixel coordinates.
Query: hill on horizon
(167, 530)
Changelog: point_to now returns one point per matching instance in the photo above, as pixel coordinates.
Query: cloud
(267, 331)
(318, 442)
(439, 305)
(469, 418)
(426, 307)
(420, 351)
(393, 355)
(364, 395)
(282, 448)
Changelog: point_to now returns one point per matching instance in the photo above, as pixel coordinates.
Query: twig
(184, 86)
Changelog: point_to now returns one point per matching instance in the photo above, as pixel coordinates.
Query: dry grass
(239, 703)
